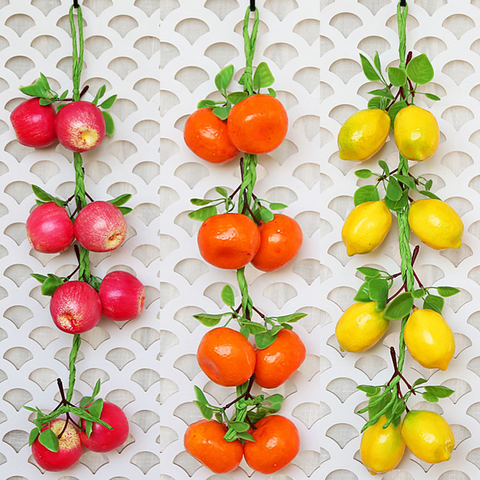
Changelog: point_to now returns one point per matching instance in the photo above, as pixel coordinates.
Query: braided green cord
(402, 13)
(250, 43)
(71, 365)
(248, 181)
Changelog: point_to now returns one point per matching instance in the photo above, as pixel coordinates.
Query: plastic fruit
(363, 134)
(228, 240)
(80, 126)
(429, 339)
(122, 296)
(416, 133)
(34, 123)
(276, 363)
(277, 442)
(102, 439)
(49, 228)
(281, 239)
(75, 307)
(69, 448)
(360, 327)
(206, 136)
(100, 227)
(428, 436)
(366, 227)
(436, 224)
(226, 357)
(204, 441)
(382, 449)
(257, 124)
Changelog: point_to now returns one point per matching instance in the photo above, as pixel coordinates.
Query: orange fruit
(257, 124)
(204, 441)
(276, 363)
(228, 240)
(276, 444)
(206, 136)
(226, 357)
(281, 239)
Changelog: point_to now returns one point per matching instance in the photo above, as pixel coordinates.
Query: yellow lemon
(428, 436)
(363, 134)
(436, 224)
(360, 327)
(429, 339)
(381, 448)
(366, 227)
(416, 133)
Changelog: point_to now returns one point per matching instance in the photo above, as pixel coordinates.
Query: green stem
(249, 178)
(247, 304)
(249, 42)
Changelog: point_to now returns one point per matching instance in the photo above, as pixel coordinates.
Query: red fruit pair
(76, 307)
(99, 227)
(70, 448)
(78, 126)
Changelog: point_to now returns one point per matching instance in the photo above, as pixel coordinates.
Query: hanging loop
(252, 5)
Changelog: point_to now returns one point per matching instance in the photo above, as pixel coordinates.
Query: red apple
(49, 229)
(100, 227)
(69, 449)
(122, 296)
(34, 123)
(80, 126)
(75, 307)
(103, 439)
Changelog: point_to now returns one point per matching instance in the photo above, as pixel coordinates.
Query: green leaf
(49, 440)
(418, 293)
(428, 194)
(59, 202)
(378, 102)
(265, 214)
(37, 276)
(239, 427)
(50, 285)
(206, 104)
(86, 401)
(262, 77)
(121, 199)
(205, 410)
(108, 103)
(420, 70)
(382, 92)
(368, 69)
(399, 307)
(292, 318)
(433, 302)
(378, 289)
(419, 381)
(245, 436)
(223, 78)
(264, 340)
(394, 109)
(255, 328)
(384, 166)
(199, 202)
(440, 392)
(34, 91)
(375, 405)
(430, 397)
(236, 97)
(368, 271)
(63, 96)
(125, 210)
(203, 213)
(42, 194)
(429, 184)
(394, 190)
(408, 181)
(376, 62)
(33, 436)
(100, 94)
(399, 204)
(60, 107)
(43, 82)
(447, 291)
(363, 173)
(200, 395)
(45, 101)
(397, 76)
(367, 193)
(221, 112)
(96, 408)
(277, 206)
(363, 294)
(88, 428)
(370, 390)
(228, 296)
(221, 191)
(109, 125)
(208, 319)
(96, 389)
(272, 92)
(433, 97)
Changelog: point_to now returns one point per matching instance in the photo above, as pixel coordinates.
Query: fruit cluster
(76, 305)
(424, 332)
(252, 123)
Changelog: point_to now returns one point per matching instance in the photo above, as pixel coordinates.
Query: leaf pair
(44, 197)
(209, 206)
(41, 89)
(106, 104)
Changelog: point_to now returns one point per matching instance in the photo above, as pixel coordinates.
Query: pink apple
(34, 123)
(49, 229)
(69, 448)
(80, 126)
(122, 296)
(75, 307)
(100, 227)
(103, 439)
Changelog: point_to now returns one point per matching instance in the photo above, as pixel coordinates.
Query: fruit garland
(76, 305)
(424, 332)
(252, 123)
